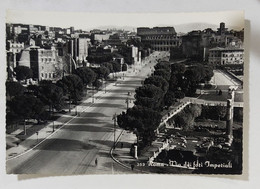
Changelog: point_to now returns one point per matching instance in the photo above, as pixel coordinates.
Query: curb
(120, 163)
(62, 125)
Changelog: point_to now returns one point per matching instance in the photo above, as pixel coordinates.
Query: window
(42, 75)
(49, 75)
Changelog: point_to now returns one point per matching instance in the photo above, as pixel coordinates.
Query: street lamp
(37, 133)
(105, 86)
(127, 101)
(53, 121)
(114, 118)
(93, 94)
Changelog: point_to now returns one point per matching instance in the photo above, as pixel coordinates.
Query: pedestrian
(96, 161)
(132, 167)
(122, 144)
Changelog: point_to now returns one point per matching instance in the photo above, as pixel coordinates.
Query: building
(14, 47)
(159, 38)
(191, 45)
(21, 29)
(44, 64)
(101, 37)
(228, 55)
(78, 48)
(13, 50)
(114, 41)
(136, 55)
(196, 44)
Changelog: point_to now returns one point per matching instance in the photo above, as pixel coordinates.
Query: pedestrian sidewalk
(37, 133)
(20, 144)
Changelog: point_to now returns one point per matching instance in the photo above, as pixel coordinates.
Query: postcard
(124, 93)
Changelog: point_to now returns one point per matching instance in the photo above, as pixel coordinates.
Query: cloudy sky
(87, 21)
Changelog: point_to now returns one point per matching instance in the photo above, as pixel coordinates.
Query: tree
(97, 84)
(208, 73)
(179, 94)
(169, 98)
(144, 121)
(124, 67)
(173, 83)
(109, 66)
(163, 73)
(23, 72)
(157, 81)
(102, 72)
(87, 75)
(13, 89)
(149, 96)
(178, 68)
(27, 107)
(51, 95)
(71, 85)
(116, 66)
(126, 52)
(193, 75)
(163, 65)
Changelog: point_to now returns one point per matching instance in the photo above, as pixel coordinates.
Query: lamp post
(105, 86)
(37, 133)
(114, 118)
(127, 101)
(53, 121)
(93, 94)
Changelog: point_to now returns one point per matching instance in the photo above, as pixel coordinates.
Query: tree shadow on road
(116, 98)
(110, 143)
(88, 128)
(64, 145)
(107, 105)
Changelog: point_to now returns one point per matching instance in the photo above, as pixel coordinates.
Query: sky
(87, 21)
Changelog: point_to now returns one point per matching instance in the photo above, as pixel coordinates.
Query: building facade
(45, 64)
(196, 44)
(222, 56)
(159, 38)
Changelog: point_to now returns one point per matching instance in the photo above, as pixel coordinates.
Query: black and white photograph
(124, 93)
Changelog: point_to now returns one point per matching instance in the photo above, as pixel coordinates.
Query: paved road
(74, 148)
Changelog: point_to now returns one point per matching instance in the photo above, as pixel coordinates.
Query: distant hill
(185, 28)
(181, 28)
(200, 26)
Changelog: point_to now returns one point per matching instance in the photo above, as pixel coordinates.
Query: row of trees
(145, 116)
(160, 90)
(38, 101)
